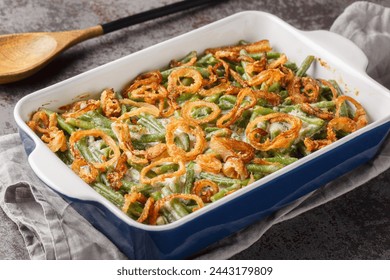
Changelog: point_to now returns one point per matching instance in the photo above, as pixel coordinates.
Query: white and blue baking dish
(342, 61)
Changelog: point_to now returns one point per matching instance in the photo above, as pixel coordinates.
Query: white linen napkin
(53, 230)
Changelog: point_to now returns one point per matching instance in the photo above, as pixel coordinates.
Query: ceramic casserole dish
(345, 63)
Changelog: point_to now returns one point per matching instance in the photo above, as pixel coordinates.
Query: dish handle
(59, 177)
(341, 47)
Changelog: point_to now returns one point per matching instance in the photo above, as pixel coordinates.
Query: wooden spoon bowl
(22, 55)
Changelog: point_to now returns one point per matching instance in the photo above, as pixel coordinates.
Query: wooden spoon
(22, 55)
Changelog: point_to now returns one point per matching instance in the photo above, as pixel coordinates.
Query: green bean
(213, 98)
(202, 71)
(98, 119)
(184, 97)
(324, 104)
(149, 138)
(195, 97)
(283, 94)
(89, 125)
(285, 160)
(245, 75)
(305, 66)
(273, 55)
(240, 70)
(256, 56)
(183, 141)
(244, 119)
(219, 179)
(260, 110)
(345, 110)
(176, 207)
(114, 197)
(206, 60)
(151, 123)
(263, 168)
(127, 186)
(82, 146)
(302, 115)
(80, 123)
(223, 192)
(275, 87)
(156, 195)
(188, 57)
(168, 214)
(291, 65)
(166, 168)
(242, 42)
(190, 178)
(227, 102)
(61, 122)
(135, 209)
(211, 131)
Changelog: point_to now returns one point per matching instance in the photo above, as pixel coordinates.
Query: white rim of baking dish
(356, 65)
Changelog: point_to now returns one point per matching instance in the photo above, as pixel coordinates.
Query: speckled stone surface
(354, 226)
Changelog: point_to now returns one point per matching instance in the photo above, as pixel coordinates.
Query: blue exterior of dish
(189, 238)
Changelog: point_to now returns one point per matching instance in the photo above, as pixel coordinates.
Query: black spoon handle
(152, 14)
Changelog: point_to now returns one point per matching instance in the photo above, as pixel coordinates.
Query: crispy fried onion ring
(175, 86)
(175, 63)
(272, 98)
(313, 145)
(336, 124)
(283, 140)
(153, 110)
(76, 136)
(191, 128)
(268, 76)
(256, 66)
(131, 198)
(160, 203)
(115, 176)
(229, 147)
(157, 152)
(230, 117)
(84, 170)
(259, 46)
(148, 209)
(278, 62)
(332, 89)
(209, 163)
(234, 167)
(238, 78)
(307, 108)
(122, 133)
(205, 189)
(143, 107)
(189, 106)
(54, 137)
(39, 122)
(225, 88)
(150, 93)
(145, 180)
(142, 83)
(360, 116)
(310, 93)
(81, 107)
(109, 103)
(230, 55)
(136, 196)
(340, 123)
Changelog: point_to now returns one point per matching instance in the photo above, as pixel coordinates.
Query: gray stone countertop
(354, 226)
